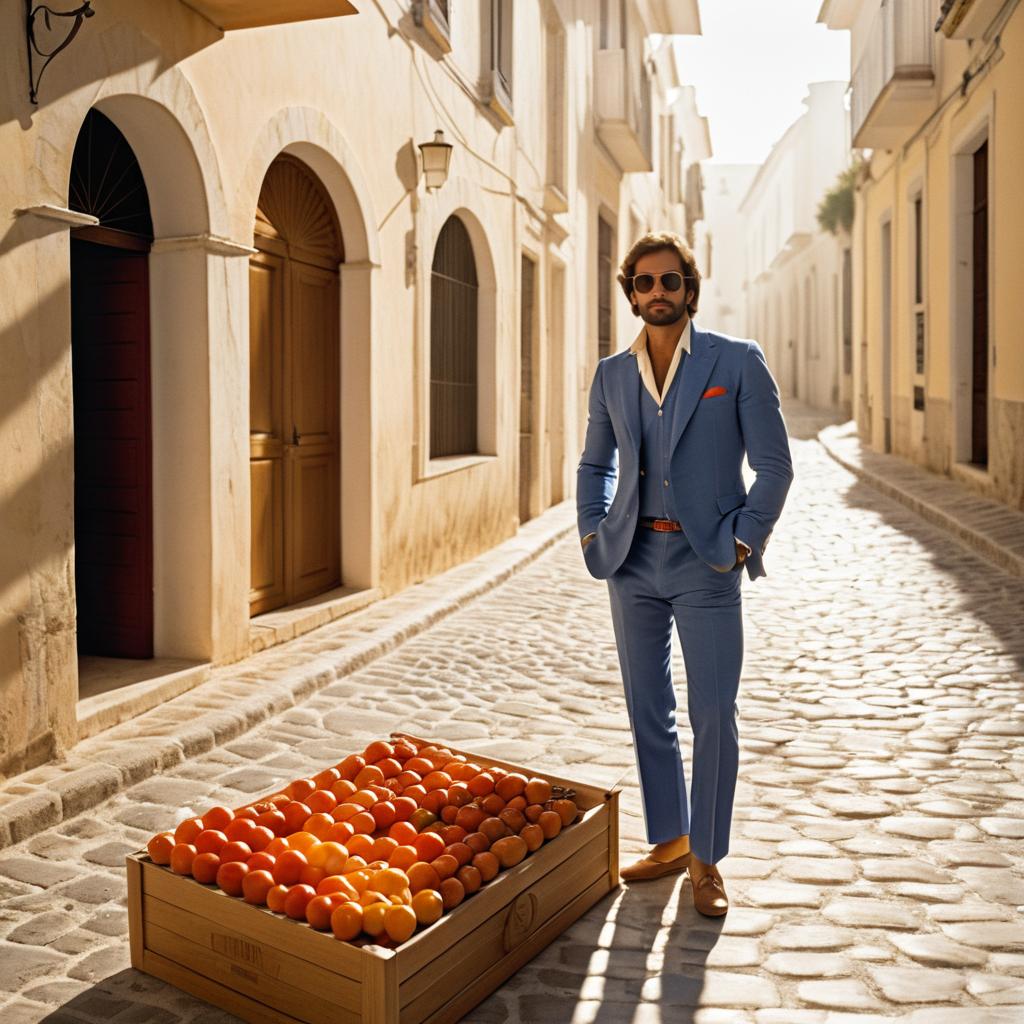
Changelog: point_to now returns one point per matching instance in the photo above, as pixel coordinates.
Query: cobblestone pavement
(875, 872)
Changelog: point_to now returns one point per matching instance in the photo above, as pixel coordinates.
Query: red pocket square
(714, 392)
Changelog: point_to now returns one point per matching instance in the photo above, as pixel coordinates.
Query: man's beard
(661, 315)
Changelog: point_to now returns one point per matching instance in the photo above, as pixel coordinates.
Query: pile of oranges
(377, 845)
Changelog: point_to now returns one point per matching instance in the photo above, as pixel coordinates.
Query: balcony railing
(231, 14)
(623, 109)
(894, 83)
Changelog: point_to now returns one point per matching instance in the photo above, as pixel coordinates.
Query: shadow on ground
(639, 955)
(977, 586)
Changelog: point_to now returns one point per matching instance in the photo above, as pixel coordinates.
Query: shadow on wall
(99, 50)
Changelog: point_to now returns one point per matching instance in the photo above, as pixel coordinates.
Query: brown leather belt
(661, 525)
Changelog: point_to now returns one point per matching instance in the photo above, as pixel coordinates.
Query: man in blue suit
(665, 518)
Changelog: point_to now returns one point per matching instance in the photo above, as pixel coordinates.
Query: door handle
(295, 435)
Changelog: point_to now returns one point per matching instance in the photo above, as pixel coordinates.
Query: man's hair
(657, 241)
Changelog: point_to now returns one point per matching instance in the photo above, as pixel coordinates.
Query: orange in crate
(425, 953)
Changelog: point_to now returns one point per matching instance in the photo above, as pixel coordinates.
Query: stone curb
(152, 742)
(899, 485)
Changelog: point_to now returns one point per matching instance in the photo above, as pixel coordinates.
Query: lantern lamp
(437, 155)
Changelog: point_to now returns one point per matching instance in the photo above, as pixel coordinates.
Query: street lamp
(437, 155)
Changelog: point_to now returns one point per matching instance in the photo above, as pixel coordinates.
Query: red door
(113, 477)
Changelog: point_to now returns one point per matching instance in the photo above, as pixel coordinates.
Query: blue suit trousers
(663, 580)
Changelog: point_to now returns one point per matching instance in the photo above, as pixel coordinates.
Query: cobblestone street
(875, 871)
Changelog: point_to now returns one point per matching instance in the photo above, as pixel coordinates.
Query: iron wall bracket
(35, 51)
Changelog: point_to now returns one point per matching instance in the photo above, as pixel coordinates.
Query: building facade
(721, 247)
(937, 105)
(255, 372)
(795, 270)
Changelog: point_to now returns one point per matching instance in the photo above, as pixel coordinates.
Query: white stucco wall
(206, 113)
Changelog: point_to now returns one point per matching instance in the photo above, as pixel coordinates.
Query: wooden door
(556, 384)
(113, 471)
(979, 310)
(294, 391)
(526, 403)
(887, 336)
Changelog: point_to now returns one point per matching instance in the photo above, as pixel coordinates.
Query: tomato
(261, 862)
(288, 867)
(312, 876)
(295, 815)
(260, 839)
(235, 851)
(218, 818)
(160, 846)
(276, 897)
(300, 788)
(296, 900)
(319, 824)
(181, 858)
(399, 922)
(275, 821)
(188, 830)
(231, 875)
(352, 766)
(385, 814)
(347, 920)
(205, 868)
(327, 778)
(241, 830)
(321, 800)
(255, 887)
(210, 841)
(319, 910)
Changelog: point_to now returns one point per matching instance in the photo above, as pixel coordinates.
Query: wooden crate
(266, 968)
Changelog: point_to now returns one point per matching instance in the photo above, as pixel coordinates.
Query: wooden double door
(113, 468)
(294, 388)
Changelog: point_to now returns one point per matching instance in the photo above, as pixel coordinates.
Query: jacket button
(666, 483)
(642, 473)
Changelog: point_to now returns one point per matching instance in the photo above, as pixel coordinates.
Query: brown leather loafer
(647, 868)
(709, 897)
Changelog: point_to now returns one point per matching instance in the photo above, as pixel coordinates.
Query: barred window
(453, 343)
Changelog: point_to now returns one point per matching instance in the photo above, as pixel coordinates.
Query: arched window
(453, 343)
(106, 180)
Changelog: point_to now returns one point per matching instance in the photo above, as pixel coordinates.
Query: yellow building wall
(934, 158)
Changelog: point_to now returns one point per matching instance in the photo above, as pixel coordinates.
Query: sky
(751, 67)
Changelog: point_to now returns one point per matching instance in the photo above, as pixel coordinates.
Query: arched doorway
(294, 388)
(110, 360)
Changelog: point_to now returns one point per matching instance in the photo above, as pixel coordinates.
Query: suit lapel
(630, 385)
(697, 369)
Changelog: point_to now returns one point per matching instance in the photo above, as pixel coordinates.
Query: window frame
(434, 17)
(500, 55)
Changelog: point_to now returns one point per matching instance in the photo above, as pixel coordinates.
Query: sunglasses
(671, 282)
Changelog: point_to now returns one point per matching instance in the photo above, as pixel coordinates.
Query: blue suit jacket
(710, 437)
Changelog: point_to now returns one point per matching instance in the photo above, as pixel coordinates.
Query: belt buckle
(663, 525)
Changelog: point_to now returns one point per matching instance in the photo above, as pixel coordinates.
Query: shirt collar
(640, 342)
